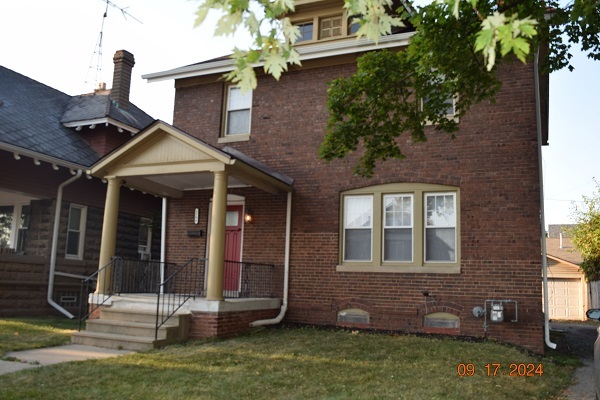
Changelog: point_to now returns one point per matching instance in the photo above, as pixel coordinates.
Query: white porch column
(109, 233)
(216, 254)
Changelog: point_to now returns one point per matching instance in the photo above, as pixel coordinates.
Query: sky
(56, 42)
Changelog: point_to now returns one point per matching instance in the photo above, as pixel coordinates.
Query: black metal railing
(180, 286)
(120, 276)
(90, 301)
(248, 280)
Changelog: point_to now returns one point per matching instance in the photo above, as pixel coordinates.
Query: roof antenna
(95, 66)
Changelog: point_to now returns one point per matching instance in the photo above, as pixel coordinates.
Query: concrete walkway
(54, 355)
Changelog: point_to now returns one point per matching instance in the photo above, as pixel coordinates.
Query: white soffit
(308, 52)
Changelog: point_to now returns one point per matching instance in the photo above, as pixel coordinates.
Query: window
(306, 31)
(400, 228)
(449, 104)
(76, 231)
(440, 227)
(13, 230)
(237, 117)
(353, 26)
(145, 239)
(397, 227)
(358, 228)
(330, 27)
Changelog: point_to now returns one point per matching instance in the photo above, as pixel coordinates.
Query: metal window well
(442, 320)
(353, 316)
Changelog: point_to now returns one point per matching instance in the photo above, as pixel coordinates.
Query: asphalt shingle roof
(94, 106)
(31, 117)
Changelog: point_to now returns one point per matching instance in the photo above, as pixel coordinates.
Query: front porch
(151, 304)
(207, 193)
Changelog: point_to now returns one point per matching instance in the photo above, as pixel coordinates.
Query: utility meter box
(497, 312)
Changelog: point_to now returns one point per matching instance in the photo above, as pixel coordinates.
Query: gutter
(51, 273)
(286, 276)
(538, 117)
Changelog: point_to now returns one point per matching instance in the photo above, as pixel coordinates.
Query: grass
(32, 333)
(299, 364)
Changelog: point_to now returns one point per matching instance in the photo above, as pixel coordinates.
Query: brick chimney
(124, 63)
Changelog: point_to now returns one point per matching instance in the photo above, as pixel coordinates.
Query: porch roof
(166, 161)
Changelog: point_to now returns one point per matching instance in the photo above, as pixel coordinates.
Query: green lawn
(300, 364)
(33, 333)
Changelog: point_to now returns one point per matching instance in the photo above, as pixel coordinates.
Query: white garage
(567, 293)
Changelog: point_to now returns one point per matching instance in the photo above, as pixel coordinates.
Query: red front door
(233, 248)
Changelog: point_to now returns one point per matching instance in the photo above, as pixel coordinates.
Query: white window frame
(81, 231)
(411, 226)
(419, 193)
(15, 228)
(346, 227)
(229, 109)
(426, 225)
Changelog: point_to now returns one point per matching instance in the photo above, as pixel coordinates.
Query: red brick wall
(225, 324)
(493, 161)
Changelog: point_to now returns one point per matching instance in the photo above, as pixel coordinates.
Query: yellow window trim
(418, 263)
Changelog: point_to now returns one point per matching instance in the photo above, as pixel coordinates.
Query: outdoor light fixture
(248, 216)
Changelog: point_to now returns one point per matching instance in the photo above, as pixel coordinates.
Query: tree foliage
(453, 53)
(585, 235)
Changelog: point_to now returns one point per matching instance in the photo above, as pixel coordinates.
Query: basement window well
(442, 320)
(353, 316)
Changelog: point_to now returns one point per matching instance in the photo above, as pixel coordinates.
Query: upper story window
(76, 231)
(449, 106)
(326, 24)
(237, 113)
(400, 228)
(306, 31)
(353, 26)
(330, 27)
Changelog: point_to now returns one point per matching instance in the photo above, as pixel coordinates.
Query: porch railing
(241, 280)
(88, 288)
(120, 276)
(248, 280)
(180, 286)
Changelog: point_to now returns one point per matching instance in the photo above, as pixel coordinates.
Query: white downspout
(286, 275)
(55, 244)
(163, 241)
(538, 117)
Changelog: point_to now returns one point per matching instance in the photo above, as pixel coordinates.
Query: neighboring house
(423, 246)
(48, 140)
(568, 291)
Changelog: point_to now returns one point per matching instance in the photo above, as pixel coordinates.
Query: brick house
(423, 246)
(48, 139)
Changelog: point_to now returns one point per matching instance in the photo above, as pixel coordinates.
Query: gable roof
(564, 250)
(30, 114)
(167, 161)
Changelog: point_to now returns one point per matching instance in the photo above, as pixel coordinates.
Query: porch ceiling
(165, 161)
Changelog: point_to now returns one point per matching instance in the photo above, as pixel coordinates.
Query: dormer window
(327, 24)
(306, 31)
(330, 27)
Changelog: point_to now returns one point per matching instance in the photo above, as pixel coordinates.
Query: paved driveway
(579, 340)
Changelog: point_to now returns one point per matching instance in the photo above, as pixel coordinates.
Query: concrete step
(113, 341)
(127, 328)
(131, 325)
(133, 315)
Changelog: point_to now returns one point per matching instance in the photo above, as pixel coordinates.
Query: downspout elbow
(286, 275)
(55, 245)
